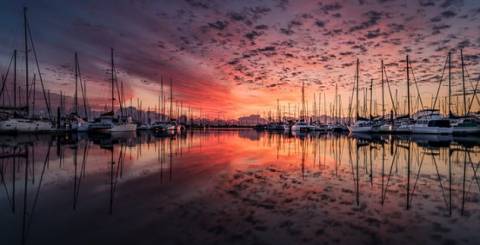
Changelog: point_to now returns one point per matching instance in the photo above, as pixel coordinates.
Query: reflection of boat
(369, 137)
(300, 134)
(432, 140)
(429, 121)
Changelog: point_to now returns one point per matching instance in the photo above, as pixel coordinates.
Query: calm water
(239, 186)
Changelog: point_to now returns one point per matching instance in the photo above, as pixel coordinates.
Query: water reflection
(47, 179)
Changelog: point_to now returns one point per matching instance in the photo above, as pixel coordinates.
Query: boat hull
(432, 130)
(25, 126)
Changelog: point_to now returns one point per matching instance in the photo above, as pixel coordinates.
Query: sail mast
(113, 80)
(302, 114)
(371, 98)
(75, 108)
(383, 93)
(449, 84)
(357, 88)
(463, 85)
(171, 99)
(15, 78)
(26, 55)
(408, 87)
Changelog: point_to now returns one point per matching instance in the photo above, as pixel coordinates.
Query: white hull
(354, 129)
(81, 127)
(466, 130)
(300, 128)
(124, 127)
(431, 130)
(25, 125)
(403, 129)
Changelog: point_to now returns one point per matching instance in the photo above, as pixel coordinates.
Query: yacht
(159, 127)
(429, 121)
(108, 124)
(320, 127)
(301, 126)
(78, 124)
(25, 125)
(402, 125)
(465, 125)
(362, 125)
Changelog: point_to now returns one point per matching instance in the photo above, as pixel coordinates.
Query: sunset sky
(238, 57)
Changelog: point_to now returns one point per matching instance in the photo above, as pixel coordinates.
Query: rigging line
(37, 194)
(351, 101)
(4, 78)
(389, 90)
(47, 103)
(474, 171)
(416, 179)
(474, 91)
(394, 160)
(440, 180)
(82, 87)
(440, 83)
(5, 185)
(416, 85)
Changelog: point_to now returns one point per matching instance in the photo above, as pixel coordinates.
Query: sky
(237, 58)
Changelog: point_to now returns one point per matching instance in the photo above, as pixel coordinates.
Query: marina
(240, 122)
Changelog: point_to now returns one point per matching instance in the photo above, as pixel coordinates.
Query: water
(239, 186)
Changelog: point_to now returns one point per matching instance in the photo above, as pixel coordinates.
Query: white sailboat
(107, 123)
(22, 120)
(301, 125)
(361, 125)
(429, 121)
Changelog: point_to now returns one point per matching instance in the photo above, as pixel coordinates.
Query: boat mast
(302, 113)
(383, 92)
(463, 85)
(408, 88)
(335, 104)
(162, 99)
(357, 88)
(113, 80)
(371, 98)
(15, 78)
(449, 84)
(171, 99)
(75, 108)
(26, 56)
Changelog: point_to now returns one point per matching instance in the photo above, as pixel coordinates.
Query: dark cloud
(448, 14)
(373, 18)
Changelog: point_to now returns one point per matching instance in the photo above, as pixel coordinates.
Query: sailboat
(22, 121)
(430, 121)
(361, 125)
(76, 122)
(301, 125)
(107, 123)
(465, 124)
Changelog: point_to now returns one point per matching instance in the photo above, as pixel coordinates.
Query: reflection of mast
(24, 220)
(449, 182)
(464, 180)
(408, 175)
